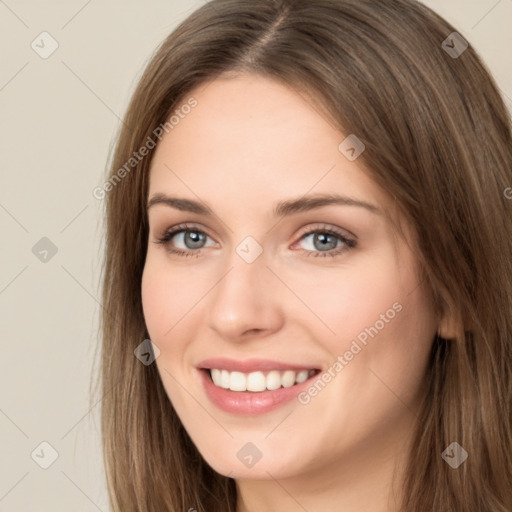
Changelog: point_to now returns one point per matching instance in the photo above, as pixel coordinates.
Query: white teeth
(302, 376)
(288, 379)
(216, 376)
(258, 381)
(273, 380)
(237, 381)
(224, 379)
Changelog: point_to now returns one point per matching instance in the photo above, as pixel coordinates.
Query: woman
(376, 375)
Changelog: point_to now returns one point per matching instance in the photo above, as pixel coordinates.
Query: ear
(449, 325)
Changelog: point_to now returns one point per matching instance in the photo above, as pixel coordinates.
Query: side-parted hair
(438, 141)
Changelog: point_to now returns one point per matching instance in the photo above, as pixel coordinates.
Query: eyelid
(319, 226)
(178, 228)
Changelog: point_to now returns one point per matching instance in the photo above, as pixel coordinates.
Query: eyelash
(169, 235)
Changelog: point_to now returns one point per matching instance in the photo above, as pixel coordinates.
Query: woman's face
(273, 285)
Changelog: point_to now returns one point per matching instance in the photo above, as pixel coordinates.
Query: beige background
(59, 116)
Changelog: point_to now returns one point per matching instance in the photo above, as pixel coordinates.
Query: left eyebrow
(281, 209)
(305, 203)
(185, 205)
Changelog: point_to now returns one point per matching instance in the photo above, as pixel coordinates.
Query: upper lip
(250, 365)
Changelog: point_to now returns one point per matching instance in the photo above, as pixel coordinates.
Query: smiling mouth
(258, 381)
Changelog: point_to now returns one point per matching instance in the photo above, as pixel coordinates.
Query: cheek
(162, 307)
(155, 300)
(351, 298)
(167, 295)
(379, 317)
(387, 345)
(165, 303)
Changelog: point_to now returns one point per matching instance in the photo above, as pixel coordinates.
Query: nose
(246, 301)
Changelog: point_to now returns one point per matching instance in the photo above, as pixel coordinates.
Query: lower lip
(247, 402)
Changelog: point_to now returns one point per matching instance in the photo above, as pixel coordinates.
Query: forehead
(249, 130)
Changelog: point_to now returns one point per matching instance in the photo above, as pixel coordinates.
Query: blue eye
(327, 242)
(324, 241)
(193, 239)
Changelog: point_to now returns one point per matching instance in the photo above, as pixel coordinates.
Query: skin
(248, 144)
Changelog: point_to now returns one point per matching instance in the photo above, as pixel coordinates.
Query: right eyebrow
(182, 204)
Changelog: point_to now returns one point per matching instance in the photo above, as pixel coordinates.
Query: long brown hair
(438, 140)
